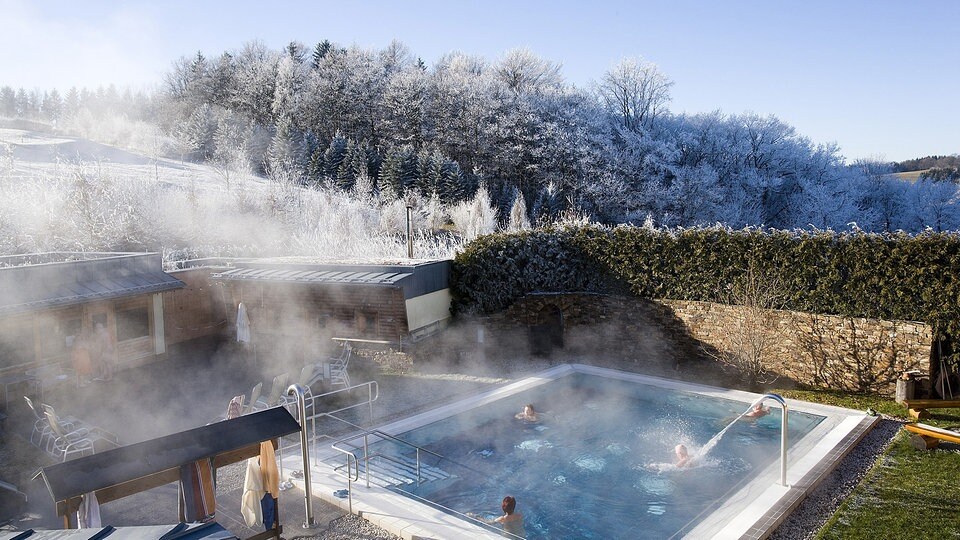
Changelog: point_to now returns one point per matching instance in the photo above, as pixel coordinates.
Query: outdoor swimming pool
(598, 464)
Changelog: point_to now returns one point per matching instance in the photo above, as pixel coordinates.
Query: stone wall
(843, 353)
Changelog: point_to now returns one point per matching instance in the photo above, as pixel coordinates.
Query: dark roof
(113, 467)
(183, 531)
(415, 279)
(305, 276)
(68, 281)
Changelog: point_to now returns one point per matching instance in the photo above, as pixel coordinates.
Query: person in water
(682, 456)
(757, 411)
(528, 414)
(511, 520)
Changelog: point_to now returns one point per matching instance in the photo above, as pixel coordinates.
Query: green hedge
(882, 276)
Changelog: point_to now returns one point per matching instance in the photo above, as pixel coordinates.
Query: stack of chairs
(63, 437)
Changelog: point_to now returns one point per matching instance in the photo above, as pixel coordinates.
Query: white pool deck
(752, 511)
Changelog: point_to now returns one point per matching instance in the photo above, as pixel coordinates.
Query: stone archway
(547, 333)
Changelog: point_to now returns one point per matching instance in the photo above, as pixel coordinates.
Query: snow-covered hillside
(65, 193)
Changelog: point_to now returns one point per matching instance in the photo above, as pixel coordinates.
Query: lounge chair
(927, 436)
(42, 431)
(305, 380)
(254, 398)
(66, 442)
(276, 392)
(72, 425)
(338, 367)
(235, 407)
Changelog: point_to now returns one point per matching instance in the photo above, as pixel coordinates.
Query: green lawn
(908, 493)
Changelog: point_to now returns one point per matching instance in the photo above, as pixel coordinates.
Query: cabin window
(133, 323)
(58, 335)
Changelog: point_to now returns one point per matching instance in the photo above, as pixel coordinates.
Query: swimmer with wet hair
(511, 520)
(528, 414)
(757, 411)
(683, 458)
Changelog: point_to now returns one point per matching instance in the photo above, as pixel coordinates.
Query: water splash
(716, 438)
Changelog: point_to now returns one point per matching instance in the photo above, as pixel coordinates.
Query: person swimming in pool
(528, 414)
(757, 411)
(681, 455)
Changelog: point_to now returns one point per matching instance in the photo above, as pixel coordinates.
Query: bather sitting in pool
(511, 521)
(528, 414)
(757, 411)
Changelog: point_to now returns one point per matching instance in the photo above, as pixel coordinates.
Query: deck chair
(254, 398)
(42, 432)
(66, 442)
(235, 407)
(276, 391)
(338, 367)
(305, 380)
(72, 425)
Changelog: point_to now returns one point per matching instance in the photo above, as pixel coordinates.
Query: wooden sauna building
(296, 308)
(50, 301)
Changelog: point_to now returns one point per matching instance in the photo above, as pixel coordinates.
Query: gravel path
(820, 505)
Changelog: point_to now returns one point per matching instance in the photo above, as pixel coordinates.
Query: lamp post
(409, 230)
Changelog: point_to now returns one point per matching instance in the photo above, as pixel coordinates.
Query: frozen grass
(908, 493)
(105, 199)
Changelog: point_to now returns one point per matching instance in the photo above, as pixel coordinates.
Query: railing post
(783, 436)
(296, 389)
(366, 457)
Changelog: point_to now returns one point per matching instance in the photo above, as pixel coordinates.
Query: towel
(252, 493)
(197, 495)
(88, 515)
(268, 466)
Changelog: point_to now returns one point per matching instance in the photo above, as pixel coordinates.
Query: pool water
(599, 463)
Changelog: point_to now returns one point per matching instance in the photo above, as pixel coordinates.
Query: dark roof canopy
(41, 281)
(414, 279)
(119, 466)
(304, 276)
(183, 531)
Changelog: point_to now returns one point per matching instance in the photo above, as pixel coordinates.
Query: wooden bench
(918, 407)
(926, 437)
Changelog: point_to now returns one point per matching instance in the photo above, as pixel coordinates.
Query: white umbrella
(243, 324)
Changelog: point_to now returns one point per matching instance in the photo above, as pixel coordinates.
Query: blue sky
(879, 78)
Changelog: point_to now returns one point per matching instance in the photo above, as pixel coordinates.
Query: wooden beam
(133, 487)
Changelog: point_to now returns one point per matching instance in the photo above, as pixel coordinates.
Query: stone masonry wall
(827, 351)
(843, 353)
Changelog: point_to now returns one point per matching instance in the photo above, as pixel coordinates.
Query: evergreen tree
(399, 171)
(320, 52)
(333, 156)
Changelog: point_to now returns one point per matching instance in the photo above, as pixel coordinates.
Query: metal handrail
(366, 449)
(373, 393)
(351, 477)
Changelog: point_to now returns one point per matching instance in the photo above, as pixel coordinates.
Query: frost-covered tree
(518, 215)
(523, 72)
(635, 92)
(476, 217)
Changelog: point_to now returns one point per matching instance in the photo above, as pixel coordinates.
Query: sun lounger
(926, 436)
